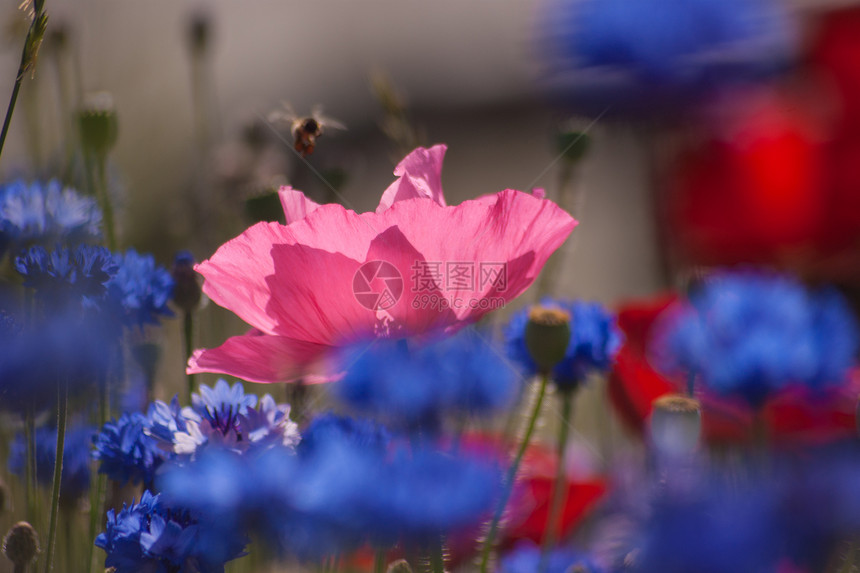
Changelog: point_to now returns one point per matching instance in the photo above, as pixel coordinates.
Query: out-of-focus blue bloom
(330, 427)
(594, 341)
(819, 502)
(237, 494)
(75, 481)
(717, 528)
(46, 214)
(751, 334)
(659, 52)
(341, 494)
(413, 496)
(67, 274)
(419, 385)
(126, 452)
(141, 288)
(150, 537)
(526, 557)
(64, 344)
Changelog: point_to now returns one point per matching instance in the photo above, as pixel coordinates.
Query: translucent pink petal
(296, 205)
(236, 274)
(259, 357)
(418, 175)
(501, 241)
(413, 313)
(312, 298)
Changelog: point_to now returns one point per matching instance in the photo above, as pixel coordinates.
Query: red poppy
(528, 507)
(794, 416)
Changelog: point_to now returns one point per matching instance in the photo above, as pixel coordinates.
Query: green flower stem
(97, 493)
(379, 561)
(437, 558)
(35, 33)
(511, 476)
(62, 407)
(188, 328)
(103, 194)
(566, 200)
(691, 384)
(29, 468)
(559, 486)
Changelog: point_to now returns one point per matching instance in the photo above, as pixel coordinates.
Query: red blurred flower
(777, 177)
(751, 192)
(794, 416)
(527, 510)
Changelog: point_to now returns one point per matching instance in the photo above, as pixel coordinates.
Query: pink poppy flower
(331, 276)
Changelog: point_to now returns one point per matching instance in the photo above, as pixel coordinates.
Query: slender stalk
(691, 384)
(188, 328)
(559, 487)
(437, 558)
(567, 200)
(28, 60)
(30, 468)
(103, 194)
(511, 476)
(62, 407)
(11, 108)
(97, 493)
(379, 561)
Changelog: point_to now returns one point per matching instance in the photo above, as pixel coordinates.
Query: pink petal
(313, 296)
(510, 233)
(296, 205)
(236, 274)
(414, 312)
(418, 175)
(258, 357)
(240, 276)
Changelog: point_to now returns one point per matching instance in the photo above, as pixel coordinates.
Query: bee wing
(284, 115)
(324, 120)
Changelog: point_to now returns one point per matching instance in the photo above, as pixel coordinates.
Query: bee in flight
(305, 129)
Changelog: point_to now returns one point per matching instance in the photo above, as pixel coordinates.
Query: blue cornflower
(751, 334)
(46, 214)
(661, 52)
(126, 452)
(594, 341)
(67, 274)
(526, 558)
(418, 385)
(221, 405)
(148, 536)
(269, 424)
(141, 288)
(222, 415)
(75, 481)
